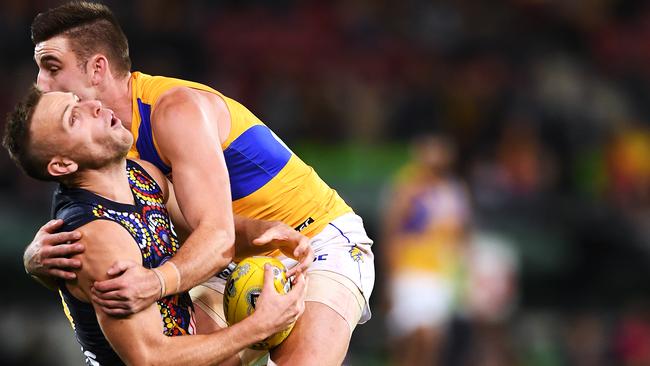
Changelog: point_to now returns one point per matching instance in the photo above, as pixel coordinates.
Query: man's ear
(98, 68)
(60, 166)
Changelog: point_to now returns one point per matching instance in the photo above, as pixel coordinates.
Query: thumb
(268, 278)
(119, 267)
(299, 285)
(263, 239)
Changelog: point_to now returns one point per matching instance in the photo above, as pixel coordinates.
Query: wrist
(27, 256)
(260, 327)
(169, 277)
(161, 283)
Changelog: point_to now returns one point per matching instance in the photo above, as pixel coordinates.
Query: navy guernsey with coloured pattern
(148, 223)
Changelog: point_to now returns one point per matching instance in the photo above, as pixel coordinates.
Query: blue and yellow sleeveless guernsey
(267, 180)
(148, 223)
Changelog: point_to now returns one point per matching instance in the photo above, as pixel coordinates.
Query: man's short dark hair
(17, 137)
(91, 28)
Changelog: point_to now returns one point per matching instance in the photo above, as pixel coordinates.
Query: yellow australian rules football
(244, 286)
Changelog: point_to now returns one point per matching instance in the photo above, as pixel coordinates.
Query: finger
(297, 280)
(268, 278)
(62, 263)
(293, 271)
(302, 247)
(264, 239)
(109, 304)
(298, 252)
(307, 257)
(112, 295)
(62, 250)
(299, 285)
(119, 267)
(61, 238)
(296, 270)
(294, 278)
(51, 226)
(62, 274)
(109, 285)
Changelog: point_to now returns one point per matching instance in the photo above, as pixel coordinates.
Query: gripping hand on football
(49, 254)
(278, 235)
(274, 311)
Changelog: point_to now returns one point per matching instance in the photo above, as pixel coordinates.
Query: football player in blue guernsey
(227, 167)
(119, 207)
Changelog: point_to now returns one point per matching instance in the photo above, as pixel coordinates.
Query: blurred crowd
(545, 105)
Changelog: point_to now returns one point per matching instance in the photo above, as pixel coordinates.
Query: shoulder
(175, 107)
(183, 98)
(185, 120)
(74, 207)
(105, 242)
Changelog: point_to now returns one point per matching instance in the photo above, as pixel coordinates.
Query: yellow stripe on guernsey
(267, 180)
(66, 311)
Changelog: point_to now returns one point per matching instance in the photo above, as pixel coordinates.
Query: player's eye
(53, 69)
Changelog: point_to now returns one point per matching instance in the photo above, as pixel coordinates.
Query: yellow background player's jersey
(430, 232)
(267, 180)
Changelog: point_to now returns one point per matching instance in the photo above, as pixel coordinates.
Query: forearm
(138, 340)
(210, 349)
(48, 282)
(205, 252)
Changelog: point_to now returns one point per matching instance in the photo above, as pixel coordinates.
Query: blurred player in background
(220, 157)
(119, 206)
(426, 223)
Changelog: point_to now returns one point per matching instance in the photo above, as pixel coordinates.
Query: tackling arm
(138, 338)
(185, 127)
(184, 124)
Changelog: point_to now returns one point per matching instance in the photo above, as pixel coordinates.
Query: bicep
(187, 134)
(181, 226)
(107, 242)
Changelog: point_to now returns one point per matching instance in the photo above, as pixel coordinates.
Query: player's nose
(43, 82)
(94, 106)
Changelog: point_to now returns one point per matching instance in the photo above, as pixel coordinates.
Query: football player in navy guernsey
(119, 206)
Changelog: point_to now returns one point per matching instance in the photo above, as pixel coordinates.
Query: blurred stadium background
(547, 101)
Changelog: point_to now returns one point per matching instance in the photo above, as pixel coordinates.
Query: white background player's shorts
(419, 299)
(342, 275)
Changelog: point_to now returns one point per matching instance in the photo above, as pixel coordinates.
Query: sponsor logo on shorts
(356, 254)
(304, 224)
(322, 257)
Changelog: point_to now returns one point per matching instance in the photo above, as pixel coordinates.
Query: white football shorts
(342, 275)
